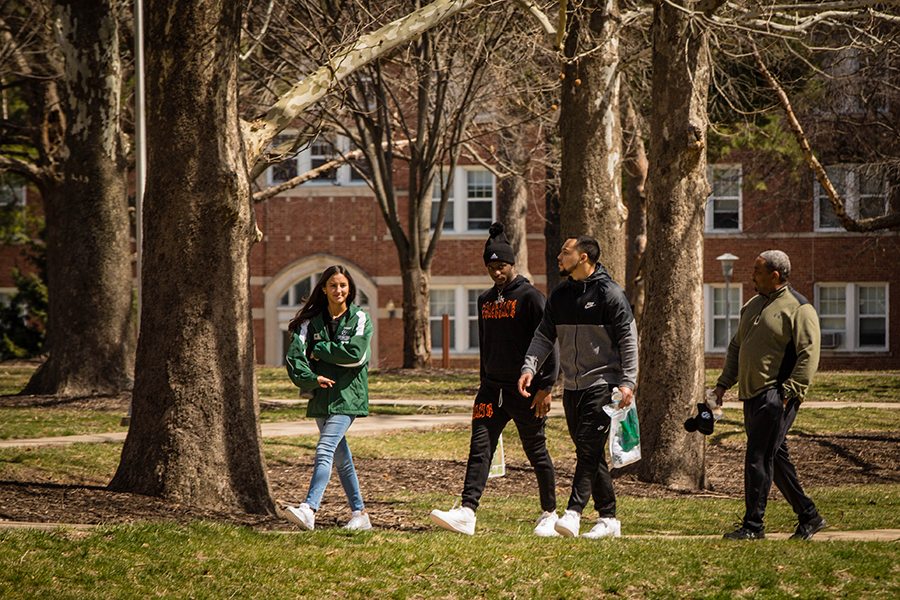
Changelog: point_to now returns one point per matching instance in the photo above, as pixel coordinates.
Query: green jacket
(777, 343)
(345, 360)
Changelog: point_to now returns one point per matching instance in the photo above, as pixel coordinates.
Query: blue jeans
(332, 447)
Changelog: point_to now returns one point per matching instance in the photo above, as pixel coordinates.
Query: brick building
(336, 219)
(756, 205)
(853, 279)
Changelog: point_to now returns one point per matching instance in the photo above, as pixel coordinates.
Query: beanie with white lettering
(497, 248)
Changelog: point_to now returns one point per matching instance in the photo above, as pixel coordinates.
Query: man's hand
(541, 404)
(524, 382)
(627, 396)
(324, 381)
(719, 393)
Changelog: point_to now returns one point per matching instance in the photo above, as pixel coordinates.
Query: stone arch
(275, 319)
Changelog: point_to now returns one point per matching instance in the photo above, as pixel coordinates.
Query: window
(863, 190)
(723, 207)
(853, 316)
(461, 304)
(435, 206)
(857, 82)
(321, 151)
(717, 325)
(12, 190)
(476, 213)
(473, 319)
(479, 200)
(442, 303)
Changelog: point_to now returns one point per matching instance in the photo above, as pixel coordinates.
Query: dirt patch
(822, 461)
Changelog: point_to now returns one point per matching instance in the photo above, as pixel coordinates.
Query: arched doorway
(284, 294)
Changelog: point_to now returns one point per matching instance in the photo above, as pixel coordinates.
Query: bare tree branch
(890, 221)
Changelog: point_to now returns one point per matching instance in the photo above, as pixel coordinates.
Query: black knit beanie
(497, 247)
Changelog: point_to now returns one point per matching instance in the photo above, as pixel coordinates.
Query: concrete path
(376, 424)
(373, 424)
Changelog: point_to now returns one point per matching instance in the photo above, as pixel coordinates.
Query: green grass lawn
(503, 559)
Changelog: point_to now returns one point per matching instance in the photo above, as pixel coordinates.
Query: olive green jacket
(344, 359)
(777, 344)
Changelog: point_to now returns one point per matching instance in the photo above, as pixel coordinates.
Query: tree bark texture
(512, 195)
(591, 134)
(195, 435)
(635, 167)
(416, 321)
(88, 230)
(671, 377)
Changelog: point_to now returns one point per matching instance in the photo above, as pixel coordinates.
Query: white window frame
(461, 319)
(459, 198)
(710, 317)
(845, 178)
(850, 341)
(710, 201)
(343, 175)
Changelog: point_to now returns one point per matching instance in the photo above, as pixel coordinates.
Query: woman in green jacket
(329, 353)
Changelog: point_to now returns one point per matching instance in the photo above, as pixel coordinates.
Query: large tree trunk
(671, 375)
(91, 325)
(416, 322)
(512, 195)
(590, 130)
(635, 167)
(195, 435)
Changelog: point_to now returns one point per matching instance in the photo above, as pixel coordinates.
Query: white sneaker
(545, 525)
(303, 516)
(359, 521)
(568, 524)
(460, 520)
(605, 527)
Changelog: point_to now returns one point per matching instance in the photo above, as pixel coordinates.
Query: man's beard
(563, 272)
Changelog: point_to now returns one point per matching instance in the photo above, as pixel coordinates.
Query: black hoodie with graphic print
(506, 323)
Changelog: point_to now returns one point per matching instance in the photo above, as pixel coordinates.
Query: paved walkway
(375, 424)
(370, 425)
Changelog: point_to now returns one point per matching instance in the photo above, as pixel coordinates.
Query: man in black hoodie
(598, 353)
(508, 314)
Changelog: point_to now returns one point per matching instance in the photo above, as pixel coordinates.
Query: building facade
(853, 279)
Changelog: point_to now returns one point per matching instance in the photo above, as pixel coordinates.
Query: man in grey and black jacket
(598, 352)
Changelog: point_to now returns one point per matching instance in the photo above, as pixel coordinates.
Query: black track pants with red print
(494, 408)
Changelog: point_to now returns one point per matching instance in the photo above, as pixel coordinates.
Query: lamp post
(727, 271)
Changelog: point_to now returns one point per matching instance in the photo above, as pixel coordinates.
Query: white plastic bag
(624, 435)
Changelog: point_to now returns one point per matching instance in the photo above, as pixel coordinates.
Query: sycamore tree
(61, 132)
(672, 360)
(195, 433)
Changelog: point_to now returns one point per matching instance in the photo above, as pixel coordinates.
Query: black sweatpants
(768, 421)
(589, 427)
(494, 408)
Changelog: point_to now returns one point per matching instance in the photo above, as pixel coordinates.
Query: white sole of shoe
(455, 528)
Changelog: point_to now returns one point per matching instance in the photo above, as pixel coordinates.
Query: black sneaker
(745, 534)
(805, 531)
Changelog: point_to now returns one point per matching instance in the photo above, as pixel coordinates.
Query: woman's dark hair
(318, 301)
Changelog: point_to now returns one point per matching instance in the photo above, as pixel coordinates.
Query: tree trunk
(671, 375)
(91, 321)
(635, 167)
(195, 435)
(416, 322)
(512, 195)
(590, 130)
